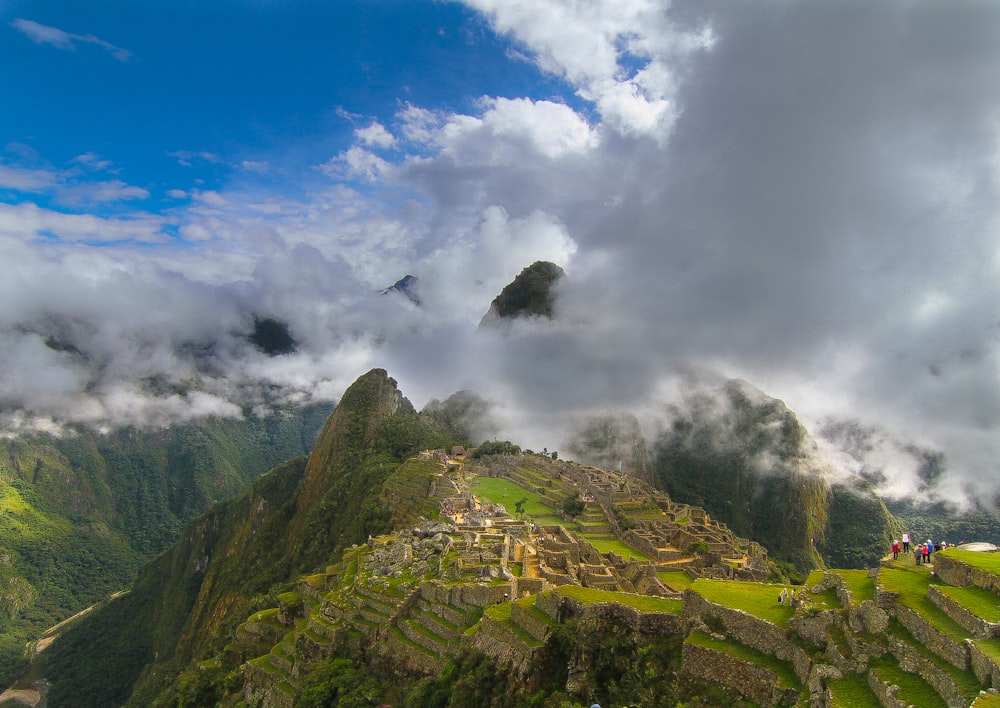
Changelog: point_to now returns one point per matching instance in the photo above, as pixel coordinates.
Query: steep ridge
(297, 517)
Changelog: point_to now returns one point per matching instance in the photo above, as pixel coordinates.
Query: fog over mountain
(802, 195)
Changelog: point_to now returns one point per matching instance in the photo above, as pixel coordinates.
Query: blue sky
(804, 195)
(174, 95)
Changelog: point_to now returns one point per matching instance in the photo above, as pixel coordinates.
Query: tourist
(927, 552)
(906, 542)
(918, 553)
(895, 549)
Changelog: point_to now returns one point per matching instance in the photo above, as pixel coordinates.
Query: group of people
(921, 552)
(788, 597)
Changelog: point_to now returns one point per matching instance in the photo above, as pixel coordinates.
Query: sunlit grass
(781, 669)
(643, 603)
(676, 579)
(911, 582)
(990, 562)
(503, 491)
(860, 584)
(757, 599)
(605, 545)
(852, 691)
(979, 601)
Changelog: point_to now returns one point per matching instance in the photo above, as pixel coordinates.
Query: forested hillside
(81, 512)
(295, 519)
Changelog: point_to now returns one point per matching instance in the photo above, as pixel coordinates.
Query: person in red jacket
(895, 549)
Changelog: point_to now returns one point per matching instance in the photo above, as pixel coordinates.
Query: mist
(801, 195)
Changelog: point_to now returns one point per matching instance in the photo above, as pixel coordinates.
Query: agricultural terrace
(502, 491)
(990, 562)
(757, 599)
(643, 603)
(911, 582)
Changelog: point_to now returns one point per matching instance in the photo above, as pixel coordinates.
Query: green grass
(990, 562)
(913, 690)
(860, 584)
(503, 491)
(911, 582)
(966, 682)
(757, 599)
(987, 700)
(782, 669)
(852, 692)
(980, 602)
(604, 545)
(676, 579)
(643, 603)
(989, 647)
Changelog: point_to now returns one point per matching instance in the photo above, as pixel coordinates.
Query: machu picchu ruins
(465, 572)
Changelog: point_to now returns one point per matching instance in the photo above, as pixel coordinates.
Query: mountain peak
(530, 294)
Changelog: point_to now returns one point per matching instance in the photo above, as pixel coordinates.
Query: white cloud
(29, 221)
(592, 45)
(26, 180)
(60, 39)
(375, 135)
(355, 163)
(258, 166)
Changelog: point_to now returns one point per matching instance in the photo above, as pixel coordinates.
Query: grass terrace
(852, 692)
(613, 545)
(911, 582)
(677, 579)
(913, 690)
(860, 584)
(989, 647)
(965, 681)
(503, 491)
(643, 603)
(979, 601)
(782, 669)
(990, 562)
(757, 599)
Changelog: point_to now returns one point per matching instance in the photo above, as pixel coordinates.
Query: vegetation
(758, 599)
(80, 514)
(643, 603)
(496, 447)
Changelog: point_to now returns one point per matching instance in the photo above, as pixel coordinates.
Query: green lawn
(990, 562)
(503, 491)
(643, 603)
(913, 690)
(911, 582)
(862, 587)
(782, 669)
(965, 681)
(676, 579)
(989, 647)
(978, 601)
(757, 599)
(852, 692)
(606, 545)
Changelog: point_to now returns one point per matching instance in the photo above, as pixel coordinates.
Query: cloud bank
(804, 195)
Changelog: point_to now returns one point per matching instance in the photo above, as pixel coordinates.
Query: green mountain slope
(297, 518)
(80, 513)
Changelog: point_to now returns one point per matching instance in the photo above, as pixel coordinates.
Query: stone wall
(955, 572)
(941, 644)
(913, 661)
(885, 692)
(971, 623)
(752, 631)
(985, 668)
(756, 683)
